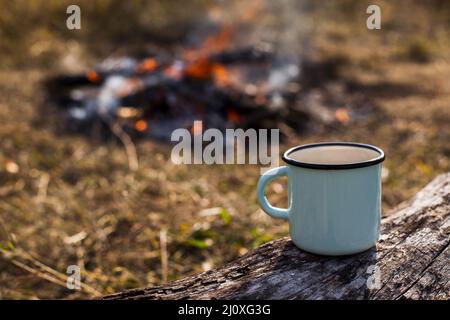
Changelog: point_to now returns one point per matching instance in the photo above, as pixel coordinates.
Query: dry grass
(68, 199)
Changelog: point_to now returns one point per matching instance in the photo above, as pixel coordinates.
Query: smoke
(279, 26)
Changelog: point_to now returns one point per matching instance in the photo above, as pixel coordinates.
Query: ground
(67, 199)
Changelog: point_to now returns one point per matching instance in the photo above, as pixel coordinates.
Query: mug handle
(268, 176)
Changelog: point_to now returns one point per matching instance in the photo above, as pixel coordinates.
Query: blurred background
(85, 115)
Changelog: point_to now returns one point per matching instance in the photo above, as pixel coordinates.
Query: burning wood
(219, 84)
(223, 88)
(147, 65)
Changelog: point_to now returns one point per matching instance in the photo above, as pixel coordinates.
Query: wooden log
(411, 260)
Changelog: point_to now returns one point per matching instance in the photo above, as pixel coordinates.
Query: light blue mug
(334, 196)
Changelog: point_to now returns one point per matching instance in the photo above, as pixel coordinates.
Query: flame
(233, 116)
(205, 69)
(128, 112)
(147, 65)
(199, 69)
(220, 75)
(141, 125)
(198, 64)
(220, 41)
(341, 115)
(92, 76)
(212, 44)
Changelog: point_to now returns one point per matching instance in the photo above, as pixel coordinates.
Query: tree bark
(411, 260)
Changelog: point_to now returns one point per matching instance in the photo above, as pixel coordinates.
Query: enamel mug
(334, 196)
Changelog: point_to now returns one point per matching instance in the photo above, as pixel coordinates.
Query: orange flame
(199, 69)
(213, 43)
(220, 41)
(125, 112)
(205, 69)
(141, 125)
(341, 115)
(220, 75)
(92, 76)
(147, 65)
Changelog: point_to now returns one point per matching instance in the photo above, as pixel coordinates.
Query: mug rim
(339, 166)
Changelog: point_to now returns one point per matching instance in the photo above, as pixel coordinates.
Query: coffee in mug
(334, 196)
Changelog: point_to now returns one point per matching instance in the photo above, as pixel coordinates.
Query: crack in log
(421, 274)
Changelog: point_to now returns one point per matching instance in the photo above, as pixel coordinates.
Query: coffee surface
(334, 155)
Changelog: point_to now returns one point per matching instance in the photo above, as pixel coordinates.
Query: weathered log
(411, 260)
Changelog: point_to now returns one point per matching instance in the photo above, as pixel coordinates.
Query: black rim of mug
(353, 165)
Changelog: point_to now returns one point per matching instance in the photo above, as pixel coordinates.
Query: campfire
(156, 95)
(220, 80)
